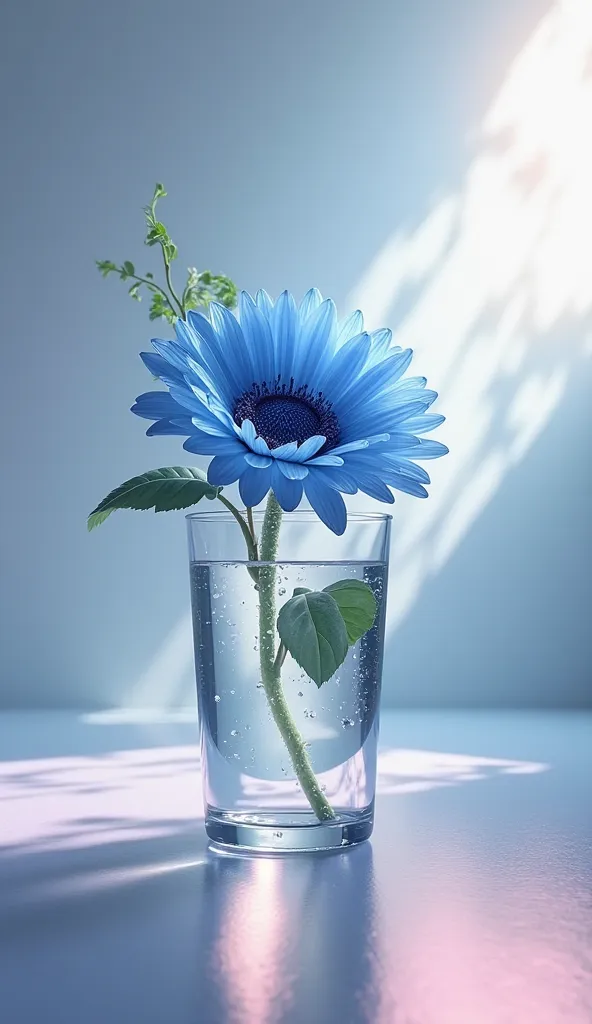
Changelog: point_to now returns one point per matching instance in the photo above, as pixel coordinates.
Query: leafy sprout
(201, 288)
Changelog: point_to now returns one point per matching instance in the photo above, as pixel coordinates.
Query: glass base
(286, 832)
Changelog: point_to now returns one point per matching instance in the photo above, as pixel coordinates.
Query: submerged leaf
(312, 629)
(357, 605)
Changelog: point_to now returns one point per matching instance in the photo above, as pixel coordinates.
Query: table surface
(472, 904)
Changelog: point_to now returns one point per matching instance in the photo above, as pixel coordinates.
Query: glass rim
(298, 515)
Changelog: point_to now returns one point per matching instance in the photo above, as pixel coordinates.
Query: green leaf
(357, 605)
(159, 191)
(311, 627)
(106, 266)
(161, 489)
(129, 268)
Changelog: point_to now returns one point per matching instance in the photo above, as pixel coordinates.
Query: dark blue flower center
(284, 413)
(282, 419)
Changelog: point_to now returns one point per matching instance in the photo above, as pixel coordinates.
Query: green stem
(251, 523)
(249, 538)
(151, 284)
(167, 272)
(271, 665)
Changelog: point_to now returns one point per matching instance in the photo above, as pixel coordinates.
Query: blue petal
(264, 302)
(172, 352)
(160, 367)
(286, 451)
(340, 480)
(326, 460)
(425, 450)
(258, 339)
(316, 343)
(235, 351)
(181, 427)
(258, 461)
(400, 441)
(408, 469)
(327, 502)
(225, 469)
(249, 435)
(217, 356)
(379, 378)
(423, 424)
(157, 405)
(349, 327)
(284, 323)
(311, 301)
(374, 487)
(254, 485)
(288, 492)
(309, 448)
(207, 444)
(292, 470)
(187, 399)
(346, 366)
(404, 483)
(381, 343)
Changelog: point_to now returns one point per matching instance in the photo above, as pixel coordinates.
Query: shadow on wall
(497, 288)
(493, 293)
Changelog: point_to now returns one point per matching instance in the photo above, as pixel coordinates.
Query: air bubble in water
(300, 693)
(235, 732)
(309, 714)
(282, 591)
(259, 686)
(347, 723)
(277, 835)
(216, 596)
(232, 692)
(217, 698)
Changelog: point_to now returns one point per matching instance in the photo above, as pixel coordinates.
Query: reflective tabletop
(472, 903)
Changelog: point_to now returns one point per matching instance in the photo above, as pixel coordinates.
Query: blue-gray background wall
(368, 149)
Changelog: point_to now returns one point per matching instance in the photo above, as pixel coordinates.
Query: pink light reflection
(72, 802)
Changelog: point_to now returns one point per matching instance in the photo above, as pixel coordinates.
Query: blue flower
(287, 398)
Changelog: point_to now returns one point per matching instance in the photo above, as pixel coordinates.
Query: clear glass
(252, 794)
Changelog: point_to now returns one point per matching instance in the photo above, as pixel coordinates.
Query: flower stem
(271, 665)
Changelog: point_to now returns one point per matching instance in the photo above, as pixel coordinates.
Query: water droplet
(300, 693)
(247, 728)
(235, 732)
(307, 745)
(259, 686)
(277, 835)
(309, 714)
(347, 723)
(282, 591)
(232, 692)
(323, 789)
(235, 757)
(269, 632)
(216, 596)
(217, 698)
